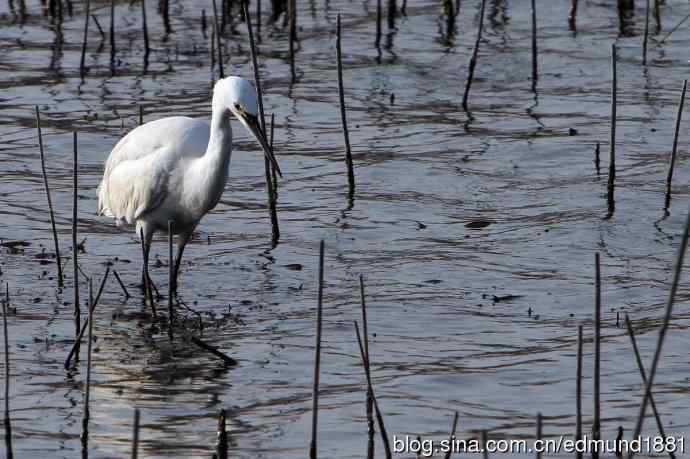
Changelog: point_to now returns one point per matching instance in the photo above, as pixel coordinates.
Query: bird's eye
(237, 106)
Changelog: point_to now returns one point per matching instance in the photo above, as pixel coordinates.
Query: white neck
(214, 165)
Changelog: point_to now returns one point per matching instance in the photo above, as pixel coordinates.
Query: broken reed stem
(317, 358)
(597, 159)
(343, 115)
(273, 169)
(213, 350)
(222, 442)
(171, 280)
(392, 11)
(643, 375)
(539, 433)
(213, 51)
(8, 426)
(270, 188)
(258, 20)
(141, 115)
(165, 12)
(657, 15)
(92, 306)
(112, 32)
(473, 59)
(485, 440)
(379, 15)
(146, 30)
(662, 332)
(75, 246)
(612, 141)
(578, 391)
(596, 421)
(370, 400)
(572, 17)
(84, 40)
(216, 29)
(46, 187)
(98, 26)
(370, 388)
(682, 21)
(646, 34)
(535, 69)
(135, 434)
(87, 394)
(292, 25)
(679, 115)
(122, 285)
(451, 438)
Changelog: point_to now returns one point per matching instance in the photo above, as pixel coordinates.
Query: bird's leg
(182, 240)
(146, 236)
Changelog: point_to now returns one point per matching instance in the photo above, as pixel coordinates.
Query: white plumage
(175, 169)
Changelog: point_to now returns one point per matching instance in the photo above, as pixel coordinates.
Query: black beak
(251, 122)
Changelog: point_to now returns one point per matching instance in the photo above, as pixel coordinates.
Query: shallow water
(424, 169)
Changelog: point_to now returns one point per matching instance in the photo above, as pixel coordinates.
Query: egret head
(238, 96)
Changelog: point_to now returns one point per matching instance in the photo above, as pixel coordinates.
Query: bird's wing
(136, 172)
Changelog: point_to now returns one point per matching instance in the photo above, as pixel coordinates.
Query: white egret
(175, 169)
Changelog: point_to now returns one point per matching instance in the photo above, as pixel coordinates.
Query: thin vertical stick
(141, 115)
(317, 359)
(679, 115)
(213, 49)
(535, 69)
(171, 280)
(612, 147)
(596, 421)
(370, 399)
(379, 14)
(473, 59)
(94, 303)
(657, 15)
(597, 160)
(643, 375)
(8, 427)
(165, 7)
(84, 41)
(539, 434)
(87, 394)
(578, 391)
(273, 169)
(222, 443)
(46, 187)
(258, 20)
(292, 18)
(146, 31)
(392, 11)
(646, 34)
(112, 32)
(270, 189)
(663, 330)
(370, 388)
(218, 46)
(343, 116)
(135, 435)
(484, 442)
(451, 439)
(572, 17)
(75, 246)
